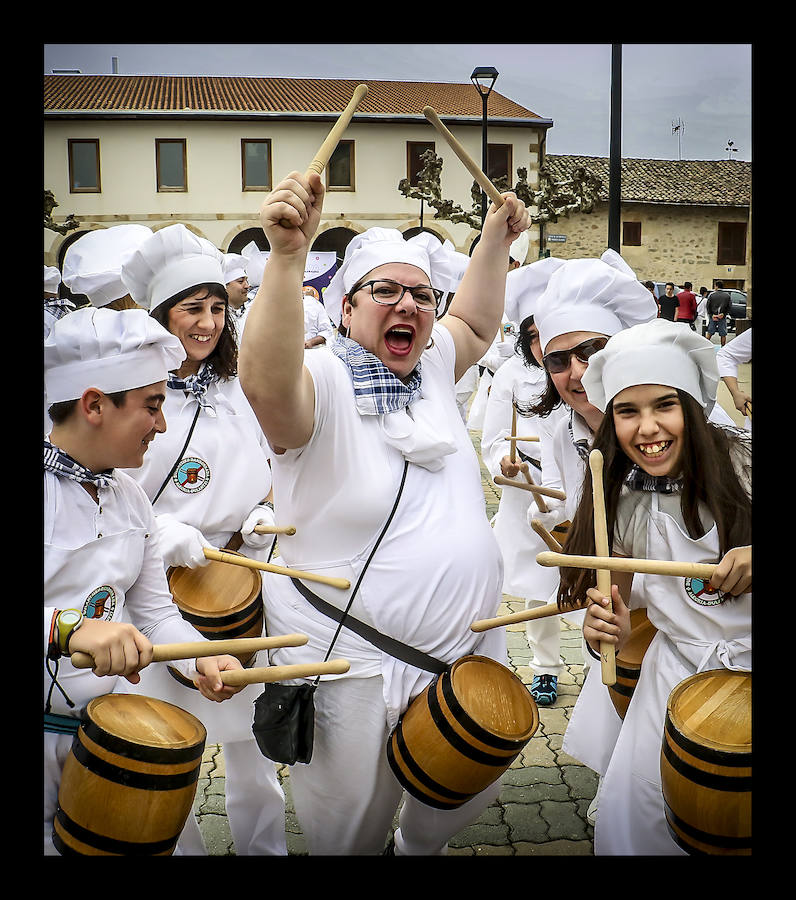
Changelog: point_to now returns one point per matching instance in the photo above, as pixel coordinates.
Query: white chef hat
(655, 352)
(93, 264)
(524, 287)
(519, 248)
(234, 267)
(169, 261)
(601, 295)
(108, 350)
(255, 263)
(52, 278)
(379, 246)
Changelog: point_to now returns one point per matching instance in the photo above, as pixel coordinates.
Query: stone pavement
(541, 810)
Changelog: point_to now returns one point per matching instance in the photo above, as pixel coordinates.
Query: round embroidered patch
(192, 475)
(100, 603)
(703, 593)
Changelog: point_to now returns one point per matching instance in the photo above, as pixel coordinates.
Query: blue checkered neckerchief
(639, 480)
(58, 306)
(62, 464)
(376, 389)
(195, 384)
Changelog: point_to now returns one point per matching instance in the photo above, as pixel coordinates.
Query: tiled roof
(219, 94)
(696, 182)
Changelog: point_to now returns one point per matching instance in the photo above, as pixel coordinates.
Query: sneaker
(544, 689)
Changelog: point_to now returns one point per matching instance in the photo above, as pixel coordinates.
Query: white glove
(554, 516)
(505, 348)
(181, 544)
(260, 515)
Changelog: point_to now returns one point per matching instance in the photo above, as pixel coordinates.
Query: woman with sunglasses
(679, 488)
(347, 424)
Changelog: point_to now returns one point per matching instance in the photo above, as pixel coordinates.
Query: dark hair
(649, 285)
(669, 283)
(720, 284)
(522, 344)
(224, 358)
(708, 475)
(60, 412)
(687, 285)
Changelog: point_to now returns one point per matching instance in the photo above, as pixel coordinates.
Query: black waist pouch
(284, 722)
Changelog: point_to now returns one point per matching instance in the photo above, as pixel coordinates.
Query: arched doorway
(246, 237)
(63, 291)
(411, 232)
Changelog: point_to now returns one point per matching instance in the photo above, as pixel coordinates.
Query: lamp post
(484, 78)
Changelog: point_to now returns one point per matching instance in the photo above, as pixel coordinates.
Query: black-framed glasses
(388, 293)
(559, 360)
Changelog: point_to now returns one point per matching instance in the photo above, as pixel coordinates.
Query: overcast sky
(705, 87)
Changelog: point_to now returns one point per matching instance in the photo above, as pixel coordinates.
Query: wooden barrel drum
(221, 602)
(628, 662)
(706, 763)
(129, 780)
(462, 732)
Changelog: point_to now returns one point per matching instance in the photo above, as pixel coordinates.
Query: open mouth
(400, 339)
(654, 450)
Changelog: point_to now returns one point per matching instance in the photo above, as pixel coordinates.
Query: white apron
(696, 632)
(230, 476)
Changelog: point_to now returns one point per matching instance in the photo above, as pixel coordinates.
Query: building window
(256, 164)
(414, 150)
(84, 166)
(631, 234)
(731, 244)
(340, 174)
(170, 164)
(498, 162)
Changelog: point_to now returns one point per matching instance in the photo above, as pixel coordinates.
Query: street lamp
(484, 78)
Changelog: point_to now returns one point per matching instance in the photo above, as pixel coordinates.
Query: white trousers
(255, 805)
(347, 796)
(544, 637)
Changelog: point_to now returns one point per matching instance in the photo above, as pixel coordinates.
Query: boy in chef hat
(93, 264)
(236, 281)
(677, 487)
(255, 260)
(105, 373)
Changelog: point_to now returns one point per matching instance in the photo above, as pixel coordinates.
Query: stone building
(205, 150)
(681, 220)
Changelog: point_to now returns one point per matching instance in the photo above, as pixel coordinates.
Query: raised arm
(271, 360)
(476, 312)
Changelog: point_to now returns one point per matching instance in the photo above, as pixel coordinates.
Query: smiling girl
(676, 488)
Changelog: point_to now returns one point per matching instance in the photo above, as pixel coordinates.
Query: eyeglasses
(388, 293)
(559, 360)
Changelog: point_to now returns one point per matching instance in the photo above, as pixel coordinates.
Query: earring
(430, 343)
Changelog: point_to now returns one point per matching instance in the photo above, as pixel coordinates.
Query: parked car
(737, 308)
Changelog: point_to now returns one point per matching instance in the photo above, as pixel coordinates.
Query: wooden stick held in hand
(198, 649)
(268, 674)
(220, 556)
(607, 651)
(533, 488)
(525, 615)
(469, 163)
(703, 571)
(545, 535)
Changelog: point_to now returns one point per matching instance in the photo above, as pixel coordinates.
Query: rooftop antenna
(730, 149)
(678, 128)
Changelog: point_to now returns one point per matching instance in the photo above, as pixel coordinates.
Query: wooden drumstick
(513, 432)
(327, 148)
(197, 649)
(545, 535)
(274, 529)
(607, 651)
(220, 556)
(526, 471)
(517, 437)
(486, 185)
(533, 488)
(268, 674)
(526, 615)
(702, 571)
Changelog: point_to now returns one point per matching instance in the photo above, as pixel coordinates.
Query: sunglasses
(559, 360)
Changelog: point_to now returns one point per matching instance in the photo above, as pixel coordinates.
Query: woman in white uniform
(522, 378)
(677, 487)
(208, 478)
(345, 425)
(105, 589)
